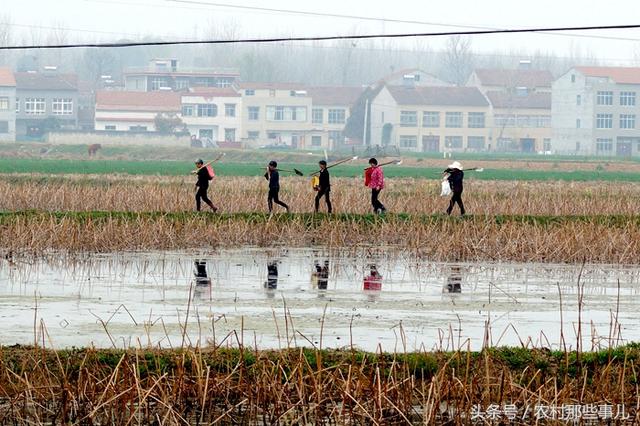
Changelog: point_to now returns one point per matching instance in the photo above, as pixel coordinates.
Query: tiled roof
(46, 81)
(621, 75)
(533, 100)
(334, 95)
(6, 77)
(271, 86)
(138, 101)
(514, 78)
(441, 96)
(211, 92)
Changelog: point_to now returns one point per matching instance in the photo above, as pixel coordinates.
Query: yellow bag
(315, 182)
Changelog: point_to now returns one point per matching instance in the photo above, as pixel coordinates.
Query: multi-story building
(520, 107)
(120, 111)
(7, 105)
(213, 115)
(166, 74)
(45, 101)
(595, 111)
(430, 119)
(276, 114)
(331, 108)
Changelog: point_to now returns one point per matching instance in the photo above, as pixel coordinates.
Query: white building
(331, 108)
(7, 105)
(213, 115)
(120, 111)
(595, 110)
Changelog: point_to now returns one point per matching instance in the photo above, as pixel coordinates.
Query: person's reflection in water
(454, 280)
(323, 275)
(271, 284)
(203, 282)
(372, 284)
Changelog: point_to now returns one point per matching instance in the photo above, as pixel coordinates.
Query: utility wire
(322, 38)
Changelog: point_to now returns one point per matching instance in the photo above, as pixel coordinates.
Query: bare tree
(5, 37)
(458, 59)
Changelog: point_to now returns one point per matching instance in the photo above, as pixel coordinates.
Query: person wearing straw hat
(454, 174)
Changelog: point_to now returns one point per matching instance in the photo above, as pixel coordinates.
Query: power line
(321, 38)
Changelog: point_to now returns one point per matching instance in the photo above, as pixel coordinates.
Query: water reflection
(271, 284)
(454, 280)
(203, 282)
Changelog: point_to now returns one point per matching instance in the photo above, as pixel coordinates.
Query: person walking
(202, 185)
(376, 183)
(454, 174)
(324, 187)
(273, 177)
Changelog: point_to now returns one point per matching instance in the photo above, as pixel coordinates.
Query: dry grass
(303, 386)
(242, 194)
(504, 238)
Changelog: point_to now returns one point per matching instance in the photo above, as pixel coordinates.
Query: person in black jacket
(273, 177)
(202, 185)
(324, 187)
(455, 176)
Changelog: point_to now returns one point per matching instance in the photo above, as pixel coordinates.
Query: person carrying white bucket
(454, 175)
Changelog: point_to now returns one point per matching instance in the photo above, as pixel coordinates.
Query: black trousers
(201, 194)
(273, 198)
(375, 203)
(456, 198)
(324, 192)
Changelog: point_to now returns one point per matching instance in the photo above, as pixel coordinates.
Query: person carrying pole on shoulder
(273, 177)
(454, 174)
(202, 185)
(324, 187)
(376, 183)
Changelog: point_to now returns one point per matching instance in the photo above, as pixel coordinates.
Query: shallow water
(132, 299)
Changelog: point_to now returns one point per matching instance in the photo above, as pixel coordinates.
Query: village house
(595, 111)
(126, 111)
(430, 119)
(331, 108)
(213, 115)
(7, 105)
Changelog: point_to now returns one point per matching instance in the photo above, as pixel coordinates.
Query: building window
(577, 146)
(224, 82)
(35, 106)
(253, 135)
(604, 145)
(431, 143)
(286, 113)
(453, 141)
(628, 98)
(110, 127)
(316, 140)
(62, 106)
(577, 123)
(207, 110)
(272, 93)
(138, 128)
(4, 103)
(317, 115)
(17, 104)
(573, 78)
(253, 113)
(505, 120)
(475, 142)
(408, 119)
(546, 145)
(430, 119)
(604, 121)
(4, 127)
(158, 82)
(476, 120)
(230, 110)
(229, 135)
(604, 97)
(408, 141)
(249, 92)
(182, 83)
(453, 119)
(336, 116)
(578, 100)
(627, 121)
(187, 110)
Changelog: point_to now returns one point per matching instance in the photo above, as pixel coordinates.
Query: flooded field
(306, 297)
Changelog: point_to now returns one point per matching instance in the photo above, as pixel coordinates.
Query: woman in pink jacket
(376, 183)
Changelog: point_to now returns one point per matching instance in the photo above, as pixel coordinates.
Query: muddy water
(280, 298)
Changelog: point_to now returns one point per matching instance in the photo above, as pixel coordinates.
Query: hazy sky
(107, 20)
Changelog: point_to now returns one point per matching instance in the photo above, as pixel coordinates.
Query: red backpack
(212, 174)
